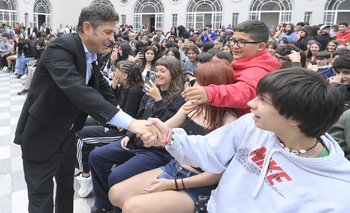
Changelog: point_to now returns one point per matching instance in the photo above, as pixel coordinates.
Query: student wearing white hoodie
(278, 158)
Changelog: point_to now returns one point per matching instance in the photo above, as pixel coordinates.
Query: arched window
(149, 13)
(202, 12)
(8, 12)
(42, 13)
(272, 12)
(337, 11)
(103, 2)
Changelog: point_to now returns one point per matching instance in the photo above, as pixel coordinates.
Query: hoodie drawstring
(263, 172)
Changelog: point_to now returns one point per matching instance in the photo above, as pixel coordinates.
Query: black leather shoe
(95, 209)
(22, 92)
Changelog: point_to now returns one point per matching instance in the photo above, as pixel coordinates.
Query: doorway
(149, 21)
(41, 20)
(270, 19)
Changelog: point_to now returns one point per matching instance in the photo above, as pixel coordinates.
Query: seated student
(323, 58)
(340, 131)
(192, 52)
(40, 48)
(127, 86)
(341, 80)
(162, 100)
(163, 188)
(277, 158)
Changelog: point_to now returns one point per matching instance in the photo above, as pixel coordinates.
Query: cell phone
(150, 76)
(142, 50)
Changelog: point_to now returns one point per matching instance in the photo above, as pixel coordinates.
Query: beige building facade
(190, 13)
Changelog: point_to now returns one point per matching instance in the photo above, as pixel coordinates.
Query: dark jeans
(91, 136)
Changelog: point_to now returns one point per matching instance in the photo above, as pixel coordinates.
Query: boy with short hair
(278, 158)
(343, 35)
(323, 58)
(341, 67)
(251, 62)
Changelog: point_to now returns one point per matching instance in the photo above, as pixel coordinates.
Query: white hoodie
(260, 176)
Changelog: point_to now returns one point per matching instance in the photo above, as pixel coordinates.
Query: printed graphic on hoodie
(274, 173)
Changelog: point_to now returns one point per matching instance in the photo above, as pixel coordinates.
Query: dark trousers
(128, 164)
(39, 178)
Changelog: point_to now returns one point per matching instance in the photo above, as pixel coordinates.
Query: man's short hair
(304, 96)
(193, 48)
(322, 55)
(224, 56)
(341, 51)
(344, 23)
(341, 62)
(204, 57)
(207, 46)
(257, 30)
(96, 14)
(5, 35)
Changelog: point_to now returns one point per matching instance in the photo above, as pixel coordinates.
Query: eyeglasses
(242, 43)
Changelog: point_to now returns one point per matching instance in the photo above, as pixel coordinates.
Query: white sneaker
(24, 77)
(85, 185)
(5, 69)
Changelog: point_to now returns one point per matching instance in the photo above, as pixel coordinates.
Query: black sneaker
(95, 209)
(22, 92)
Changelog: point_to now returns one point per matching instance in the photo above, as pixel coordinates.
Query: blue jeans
(173, 170)
(22, 64)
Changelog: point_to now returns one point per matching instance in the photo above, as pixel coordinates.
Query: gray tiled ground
(13, 193)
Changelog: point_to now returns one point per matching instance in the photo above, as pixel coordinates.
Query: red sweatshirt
(247, 73)
(344, 37)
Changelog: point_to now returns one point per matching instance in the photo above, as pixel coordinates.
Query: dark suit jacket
(35, 30)
(59, 100)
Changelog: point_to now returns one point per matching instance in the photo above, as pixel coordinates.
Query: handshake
(153, 131)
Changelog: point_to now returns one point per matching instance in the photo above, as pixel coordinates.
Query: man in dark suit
(31, 29)
(66, 86)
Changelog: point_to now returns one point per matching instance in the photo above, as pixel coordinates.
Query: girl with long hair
(148, 60)
(175, 187)
(162, 100)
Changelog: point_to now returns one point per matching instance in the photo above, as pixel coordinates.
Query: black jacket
(59, 100)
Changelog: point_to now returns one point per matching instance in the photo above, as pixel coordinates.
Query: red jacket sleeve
(238, 94)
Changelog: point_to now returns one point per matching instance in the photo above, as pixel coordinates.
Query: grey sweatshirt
(260, 176)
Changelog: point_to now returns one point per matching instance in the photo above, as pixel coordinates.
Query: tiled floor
(13, 193)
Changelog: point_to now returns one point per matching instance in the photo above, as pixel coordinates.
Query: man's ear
(87, 27)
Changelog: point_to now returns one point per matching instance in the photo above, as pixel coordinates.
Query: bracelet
(169, 138)
(183, 185)
(176, 186)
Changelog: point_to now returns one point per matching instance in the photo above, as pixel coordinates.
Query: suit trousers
(127, 164)
(39, 177)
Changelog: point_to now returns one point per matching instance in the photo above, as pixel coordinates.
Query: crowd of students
(197, 90)
(253, 53)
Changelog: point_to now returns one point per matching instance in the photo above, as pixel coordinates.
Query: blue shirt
(89, 59)
(121, 119)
